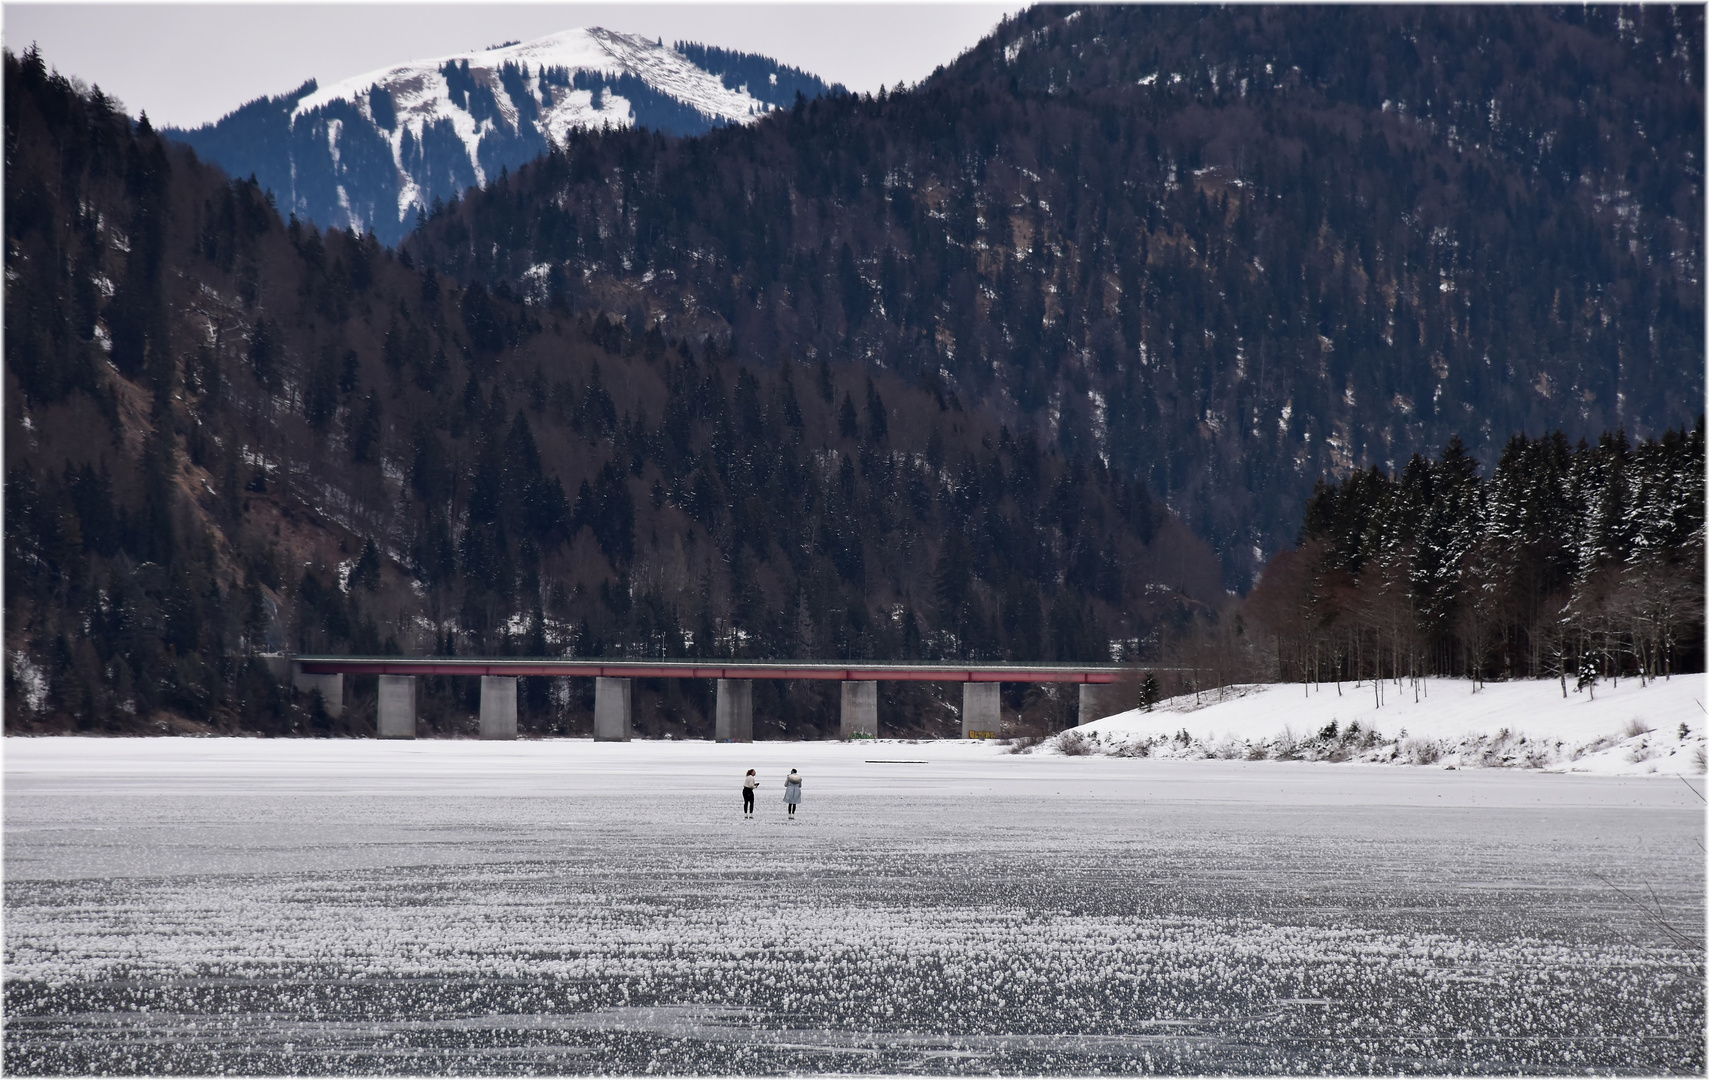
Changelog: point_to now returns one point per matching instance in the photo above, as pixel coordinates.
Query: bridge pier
(331, 688)
(860, 709)
(981, 709)
(734, 718)
(1093, 702)
(397, 707)
(498, 707)
(611, 705)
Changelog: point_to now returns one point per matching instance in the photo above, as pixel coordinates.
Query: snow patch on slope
(422, 96)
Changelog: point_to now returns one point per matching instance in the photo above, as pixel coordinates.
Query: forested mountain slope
(1227, 250)
(229, 434)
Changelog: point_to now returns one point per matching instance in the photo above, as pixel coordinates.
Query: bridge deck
(703, 669)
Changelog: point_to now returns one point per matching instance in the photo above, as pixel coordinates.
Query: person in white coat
(792, 790)
(748, 786)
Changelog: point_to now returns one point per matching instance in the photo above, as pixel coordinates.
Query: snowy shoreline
(1629, 730)
(1625, 729)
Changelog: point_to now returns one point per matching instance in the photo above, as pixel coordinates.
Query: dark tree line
(1227, 249)
(1576, 562)
(230, 436)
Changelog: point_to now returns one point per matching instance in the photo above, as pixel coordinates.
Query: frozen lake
(252, 906)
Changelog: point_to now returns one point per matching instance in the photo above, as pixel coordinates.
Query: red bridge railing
(702, 669)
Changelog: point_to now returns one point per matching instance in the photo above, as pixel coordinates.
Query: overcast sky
(188, 64)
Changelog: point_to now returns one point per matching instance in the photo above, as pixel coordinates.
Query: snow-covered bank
(1624, 729)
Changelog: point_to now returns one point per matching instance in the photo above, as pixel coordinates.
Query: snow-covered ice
(273, 906)
(1624, 728)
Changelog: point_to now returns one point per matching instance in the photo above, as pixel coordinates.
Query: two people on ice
(791, 791)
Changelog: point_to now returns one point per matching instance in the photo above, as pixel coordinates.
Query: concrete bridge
(734, 717)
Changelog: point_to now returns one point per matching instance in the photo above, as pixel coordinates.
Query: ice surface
(262, 906)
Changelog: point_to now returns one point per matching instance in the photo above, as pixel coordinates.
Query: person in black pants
(748, 786)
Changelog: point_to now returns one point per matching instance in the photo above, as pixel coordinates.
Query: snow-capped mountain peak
(422, 92)
(371, 150)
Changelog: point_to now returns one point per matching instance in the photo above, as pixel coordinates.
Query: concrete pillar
(981, 710)
(1092, 697)
(331, 688)
(860, 710)
(611, 709)
(397, 707)
(498, 707)
(734, 719)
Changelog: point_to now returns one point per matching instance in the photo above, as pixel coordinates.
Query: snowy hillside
(1627, 729)
(530, 83)
(370, 151)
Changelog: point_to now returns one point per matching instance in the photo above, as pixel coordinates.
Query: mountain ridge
(373, 150)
